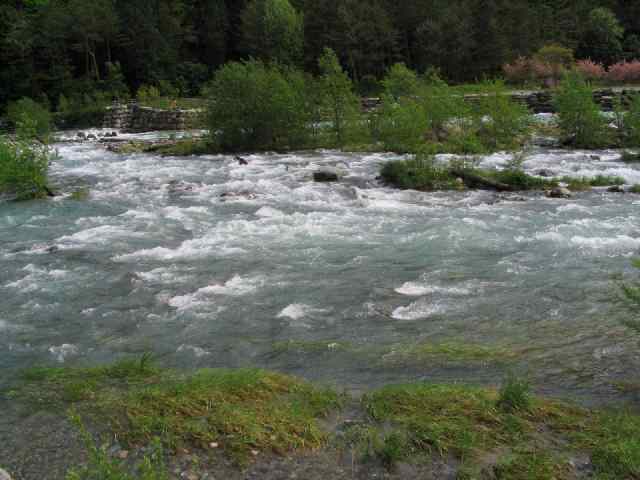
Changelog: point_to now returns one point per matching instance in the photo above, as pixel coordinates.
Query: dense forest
(53, 49)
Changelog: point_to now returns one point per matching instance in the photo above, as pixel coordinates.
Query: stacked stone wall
(135, 118)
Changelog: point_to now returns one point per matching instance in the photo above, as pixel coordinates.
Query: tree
(578, 115)
(338, 97)
(273, 30)
(602, 37)
(253, 105)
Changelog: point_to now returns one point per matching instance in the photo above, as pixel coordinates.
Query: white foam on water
(37, 279)
(298, 311)
(97, 236)
(415, 289)
(165, 275)
(268, 212)
(61, 352)
(418, 310)
(235, 287)
(195, 351)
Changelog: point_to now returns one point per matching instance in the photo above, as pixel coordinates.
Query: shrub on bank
(254, 106)
(590, 69)
(624, 72)
(337, 100)
(30, 119)
(579, 116)
(23, 168)
(502, 122)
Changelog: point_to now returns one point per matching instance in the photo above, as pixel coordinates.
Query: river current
(209, 263)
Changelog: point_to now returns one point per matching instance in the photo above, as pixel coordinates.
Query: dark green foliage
(424, 173)
(579, 117)
(273, 31)
(420, 173)
(257, 106)
(51, 46)
(30, 119)
(602, 37)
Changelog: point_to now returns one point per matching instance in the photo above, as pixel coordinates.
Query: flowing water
(208, 263)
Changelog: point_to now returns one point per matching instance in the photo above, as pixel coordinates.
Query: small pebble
(214, 445)
(255, 453)
(123, 454)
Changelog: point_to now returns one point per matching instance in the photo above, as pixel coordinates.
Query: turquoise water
(159, 259)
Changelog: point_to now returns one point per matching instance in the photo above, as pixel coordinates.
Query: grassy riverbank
(145, 418)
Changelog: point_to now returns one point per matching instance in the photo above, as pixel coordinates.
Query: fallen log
(472, 180)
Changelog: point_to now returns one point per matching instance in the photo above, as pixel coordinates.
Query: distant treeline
(75, 50)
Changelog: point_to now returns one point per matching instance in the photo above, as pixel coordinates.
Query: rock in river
(4, 475)
(325, 176)
(616, 189)
(560, 192)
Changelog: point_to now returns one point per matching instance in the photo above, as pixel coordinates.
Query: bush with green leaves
(579, 116)
(503, 123)
(255, 106)
(631, 122)
(415, 113)
(24, 166)
(401, 82)
(339, 102)
(30, 119)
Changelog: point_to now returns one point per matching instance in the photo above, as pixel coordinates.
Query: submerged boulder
(560, 192)
(325, 176)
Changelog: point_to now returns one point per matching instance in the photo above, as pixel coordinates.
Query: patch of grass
(613, 437)
(635, 189)
(520, 180)
(182, 148)
(585, 183)
(101, 466)
(419, 174)
(515, 395)
(450, 352)
(80, 194)
(529, 464)
(437, 418)
(241, 410)
(425, 175)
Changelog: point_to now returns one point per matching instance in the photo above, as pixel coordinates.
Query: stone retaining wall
(537, 102)
(134, 118)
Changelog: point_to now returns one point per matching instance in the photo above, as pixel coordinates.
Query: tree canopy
(53, 48)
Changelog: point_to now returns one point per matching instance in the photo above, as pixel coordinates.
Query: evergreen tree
(272, 30)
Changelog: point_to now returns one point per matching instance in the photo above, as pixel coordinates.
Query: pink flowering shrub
(625, 72)
(590, 70)
(519, 71)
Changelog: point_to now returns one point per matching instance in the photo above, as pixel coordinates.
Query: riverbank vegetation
(24, 158)
(252, 415)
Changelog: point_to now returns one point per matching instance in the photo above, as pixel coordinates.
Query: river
(209, 263)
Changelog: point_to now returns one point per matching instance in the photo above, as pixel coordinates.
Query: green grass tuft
(515, 395)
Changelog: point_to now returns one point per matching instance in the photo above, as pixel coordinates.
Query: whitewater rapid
(207, 262)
